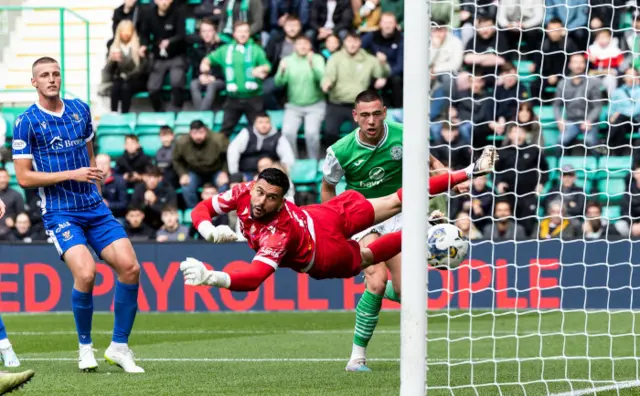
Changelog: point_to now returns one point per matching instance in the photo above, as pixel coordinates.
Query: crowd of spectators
(310, 58)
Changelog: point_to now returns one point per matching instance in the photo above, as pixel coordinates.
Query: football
(446, 246)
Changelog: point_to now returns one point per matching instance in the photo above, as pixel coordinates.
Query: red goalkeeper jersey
(284, 241)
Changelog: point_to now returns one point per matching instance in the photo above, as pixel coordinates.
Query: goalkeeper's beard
(263, 213)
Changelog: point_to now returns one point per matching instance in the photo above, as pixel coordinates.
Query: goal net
(546, 302)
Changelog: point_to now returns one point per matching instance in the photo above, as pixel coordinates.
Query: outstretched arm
(196, 274)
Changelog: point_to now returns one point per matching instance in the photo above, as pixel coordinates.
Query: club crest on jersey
(56, 143)
(66, 235)
(75, 117)
(396, 153)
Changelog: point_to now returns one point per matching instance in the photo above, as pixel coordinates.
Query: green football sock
(367, 313)
(390, 294)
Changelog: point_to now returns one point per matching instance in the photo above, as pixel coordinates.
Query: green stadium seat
(184, 119)
(117, 123)
(186, 217)
(304, 171)
(545, 114)
(612, 213)
(551, 136)
(190, 27)
(217, 120)
(612, 163)
(150, 144)
(111, 144)
(580, 163)
(150, 123)
(612, 189)
(277, 118)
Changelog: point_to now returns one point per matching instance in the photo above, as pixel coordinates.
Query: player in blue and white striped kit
(52, 151)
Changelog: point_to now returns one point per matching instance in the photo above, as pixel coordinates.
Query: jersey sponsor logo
(270, 252)
(376, 173)
(358, 162)
(18, 144)
(396, 153)
(56, 143)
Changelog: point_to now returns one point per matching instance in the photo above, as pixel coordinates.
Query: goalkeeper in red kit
(315, 239)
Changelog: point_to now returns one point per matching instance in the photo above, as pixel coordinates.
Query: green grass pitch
(305, 353)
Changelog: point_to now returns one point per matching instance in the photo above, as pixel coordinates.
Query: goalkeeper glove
(219, 234)
(196, 274)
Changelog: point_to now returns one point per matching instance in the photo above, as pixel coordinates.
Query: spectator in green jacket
(349, 72)
(302, 74)
(245, 66)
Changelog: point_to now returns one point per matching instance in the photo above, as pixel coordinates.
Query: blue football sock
(82, 305)
(3, 331)
(125, 307)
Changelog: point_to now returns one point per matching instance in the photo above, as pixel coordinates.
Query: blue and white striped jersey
(56, 142)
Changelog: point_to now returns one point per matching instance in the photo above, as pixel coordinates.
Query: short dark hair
(208, 21)
(43, 60)
(196, 124)
(555, 20)
(367, 96)
(262, 114)
(132, 137)
(152, 170)
(166, 129)
(208, 185)
(277, 178)
(353, 34)
(485, 18)
(292, 18)
(169, 208)
(591, 204)
(134, 208)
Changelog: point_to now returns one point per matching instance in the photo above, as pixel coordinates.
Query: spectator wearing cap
(301, 73)
(574, 15)
(171, 230)
(349, 72)
(262, 139)
(198, 157)
(245, 66)
(329, 17)
(387, 44)
(152, 195)
(567, 192)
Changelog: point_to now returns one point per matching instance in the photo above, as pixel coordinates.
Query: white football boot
(9, 357)
(87, 360)
(121, 356)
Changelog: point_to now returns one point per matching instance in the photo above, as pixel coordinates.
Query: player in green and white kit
(370, 160)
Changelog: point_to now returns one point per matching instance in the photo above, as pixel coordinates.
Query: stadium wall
(594, 275)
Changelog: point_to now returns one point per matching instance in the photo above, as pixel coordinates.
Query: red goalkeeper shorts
(335, 222)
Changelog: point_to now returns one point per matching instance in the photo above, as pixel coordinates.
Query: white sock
(358, 352)
(119, 344)
(4, 343)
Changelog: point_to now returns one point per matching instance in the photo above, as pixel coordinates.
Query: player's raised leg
(83, 269)
(6, 349)
(122, 258)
